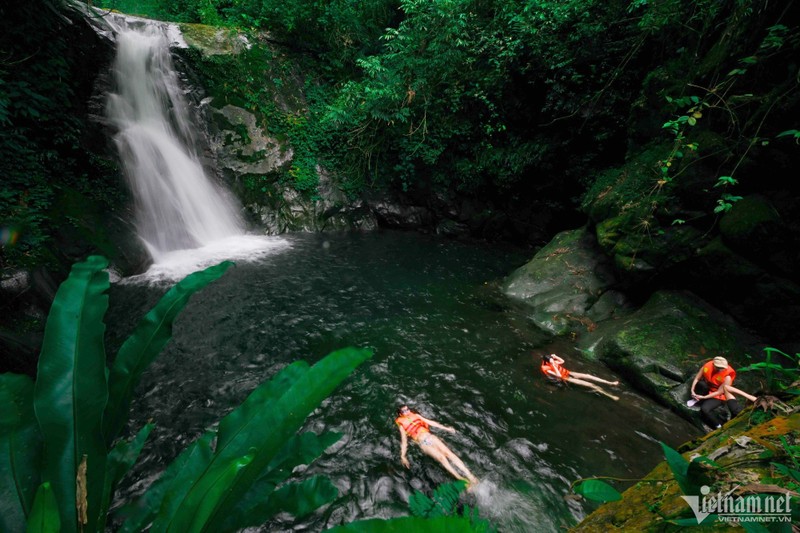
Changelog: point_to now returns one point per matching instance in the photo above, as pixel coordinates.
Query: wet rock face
(567, 284)
(289, 210)
(241, 146)
(660, 347)
(396, 215)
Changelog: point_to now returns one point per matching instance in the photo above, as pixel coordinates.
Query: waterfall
(177, 206)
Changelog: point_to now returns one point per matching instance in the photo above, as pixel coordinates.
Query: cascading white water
(177, 206)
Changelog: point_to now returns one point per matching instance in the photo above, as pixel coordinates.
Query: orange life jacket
(412, 423)
(554, 371)
(715, 376)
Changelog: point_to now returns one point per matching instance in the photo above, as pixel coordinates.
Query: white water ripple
(174, 266)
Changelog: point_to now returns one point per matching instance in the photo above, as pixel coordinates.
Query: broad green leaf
(300, 449)
(120, 461)
(279, 422)
(205, 498)
(442, 524)
(234, 439)
(680, 469)
(145, 343)
(236, 426)
(44, 517)
(597, 490)
(298, 499)
(21, 447)
(443, 502)
(787, 132)
(70, 394)
(786, 471)
(164, 496)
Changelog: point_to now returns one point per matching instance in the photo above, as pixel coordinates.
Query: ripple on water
(446, 341)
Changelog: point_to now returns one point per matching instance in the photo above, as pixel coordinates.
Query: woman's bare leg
(456, 460)
(433, 451)
(591, 386)
(590, 377)
(730, 390)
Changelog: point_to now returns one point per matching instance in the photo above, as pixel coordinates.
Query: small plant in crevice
(781, 378)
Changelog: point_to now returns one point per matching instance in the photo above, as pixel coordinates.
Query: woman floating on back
(412, 424)
(551, 367)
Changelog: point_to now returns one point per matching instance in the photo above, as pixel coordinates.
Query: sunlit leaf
(597, 490)
(44, 517)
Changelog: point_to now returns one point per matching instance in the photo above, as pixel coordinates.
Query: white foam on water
(508, 509)
(174, 266)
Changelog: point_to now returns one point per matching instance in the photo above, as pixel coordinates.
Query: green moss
(212, 40)
(650, 504)
(745, 218)
(622, 189)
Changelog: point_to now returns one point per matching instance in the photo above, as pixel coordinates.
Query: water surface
(446, 341)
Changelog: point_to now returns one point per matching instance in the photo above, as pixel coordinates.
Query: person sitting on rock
(713, 387)
(414, 425)
(551, 367)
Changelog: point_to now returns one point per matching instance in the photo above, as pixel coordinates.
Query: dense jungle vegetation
(522, 102)
(648, 120)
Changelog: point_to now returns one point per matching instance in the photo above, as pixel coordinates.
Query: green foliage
(443, 503)
(442, 524)
(43, 132)
(680, 469)
(44, 517)
(71, 390)
(597, 490)
(234, 484)
(258, 430)
(781, 372)
(21, 447)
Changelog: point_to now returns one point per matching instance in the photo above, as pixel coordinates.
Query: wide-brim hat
(720, 362)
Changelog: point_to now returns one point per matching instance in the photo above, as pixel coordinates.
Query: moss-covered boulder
(567, 284)
(756, 229)
(631, 208)
(743, 450)
(211, 40)
(661, 346)
(748, 288)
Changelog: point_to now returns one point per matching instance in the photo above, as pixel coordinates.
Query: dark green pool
(446, 341)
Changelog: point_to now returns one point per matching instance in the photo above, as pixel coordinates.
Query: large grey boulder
(568, 284)
(660, 347)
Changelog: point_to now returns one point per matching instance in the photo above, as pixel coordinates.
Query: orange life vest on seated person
(715, 376)
(412, 423)
(549, 369)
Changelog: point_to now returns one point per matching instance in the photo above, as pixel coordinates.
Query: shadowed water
(446, 341)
